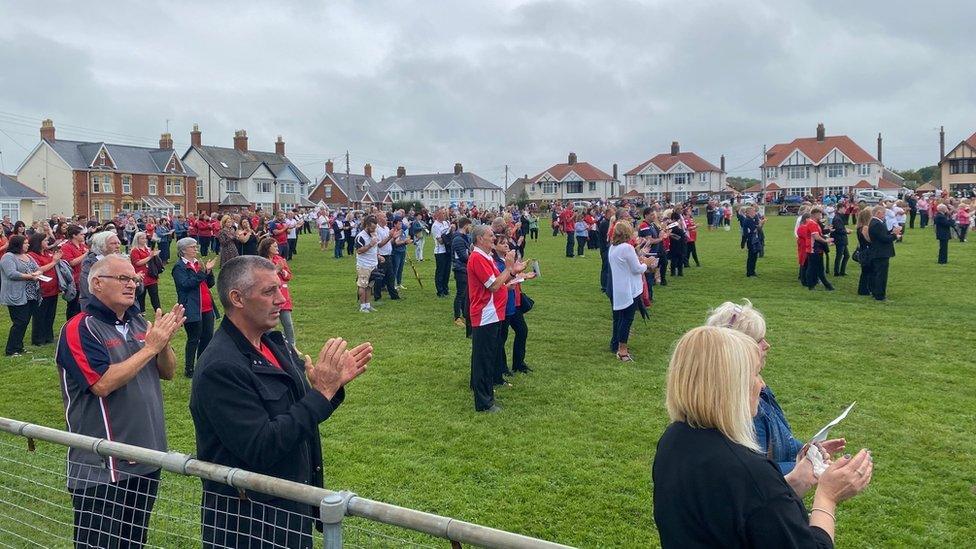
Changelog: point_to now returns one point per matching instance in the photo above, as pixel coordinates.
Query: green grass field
(569, 457)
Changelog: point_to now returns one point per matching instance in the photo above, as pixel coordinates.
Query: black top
(882, 241)
(838, 230)
(943, 226)
(249, 246)
(712, 492)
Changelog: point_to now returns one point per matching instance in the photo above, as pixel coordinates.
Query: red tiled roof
(815, 150)
(667, 161)
(757, 188)
(585, 170)
(885, 184)
(972, 141)
(926, 187)
(633, 193)
(862, 184)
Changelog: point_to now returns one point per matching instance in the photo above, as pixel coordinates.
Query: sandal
(625, 358)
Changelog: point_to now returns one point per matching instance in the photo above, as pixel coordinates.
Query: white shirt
(291, 224)
(627, 273)
(382, 233)
(323, 221)
(438, 230)
(367, 259)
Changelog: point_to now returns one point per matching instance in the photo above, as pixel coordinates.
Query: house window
(796, 172)
(964, 165)
(652, 180)
(264, 186)
(470, 193)
(101, 183)
(232, 185)
(286, 187)
(154, 184)
(798, 191)
(836, 170)
(10, 208)
(864, 169)
(126, 184)
(177, 208)
(328, 191)
(574, 187)
(703, 177)
(199, 191)
(771, 173)
(396, 196)
(592, 186)
(107, 212)
(548, 188)
(680, 179)
(455, 194)
(679, 196)
(174, 186)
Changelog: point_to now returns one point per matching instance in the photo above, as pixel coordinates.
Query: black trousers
(677, 260)
(350, 244)
(866, 279)
(534, 233)
(153, 291)
(911, 218)
(879, 282)
(461, 297)
(924, 222)
(115, 515)
(20, 317)
(42, 324)
(517, 323)
(569, 244)
(943, 251)
(484, 348)
(751, 260)
(442, 273)
(580, 244)
(841, 256)
(229, 521)
(962, 230)
(389, 279)
(662, 267)
(204, 244)
(604, 269)
(292, 247)
(622, 320)
(814, 271)
(73, 308)
(198, 336)
(691, 252)
(555, 228)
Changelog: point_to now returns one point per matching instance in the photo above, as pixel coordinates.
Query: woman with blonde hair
(626, 284)
(712, 486)
(227, 240)
(862, 255)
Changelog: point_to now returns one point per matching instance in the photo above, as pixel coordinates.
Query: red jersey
(69, 252)
(191, 227)
(486, 307)
(279, 229)
(568, 220)
(49, 288)
(692, 229)
(204, 228)
(284, 275)
(137, 255)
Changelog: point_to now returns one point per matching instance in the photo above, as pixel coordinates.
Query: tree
(742, 183)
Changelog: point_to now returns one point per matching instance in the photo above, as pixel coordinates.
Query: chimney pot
(572, 158)
(675, 149)
(328, 166)
(458, 168)
(879, 148)
(368, 170)
(195, 140)
(821, 133)
(280, 147)
(722, 163)
(166, 141)
(401, 171)
(615, 172)
(47, 129)
(240, 140)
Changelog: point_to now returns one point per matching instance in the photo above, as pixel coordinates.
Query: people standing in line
(268, 249)
(751, 240)
(293, 224)
(626, 286)
(367, 260)
(386, 235)
(163, 238)
(238, 425)
(19, 291)
(582, 233)
(74, 251)
(514, 317)
(102, 243)
(839, 232)
(279, 231)
(42, 323)
(567, 222)
(487, 300)
(712, 485)
(140, 256)
(110, 358)
(180, 228)
(442, 259)
(678, 238)
(650, 234)
(460, 251)
(943, 231)
(866, 278)
(882, 250)
(193, 281)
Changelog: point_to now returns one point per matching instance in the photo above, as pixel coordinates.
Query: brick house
(958, 167)
(356, 191)
(101, 179)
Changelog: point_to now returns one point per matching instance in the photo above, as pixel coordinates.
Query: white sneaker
(364, 309)
(369, 308)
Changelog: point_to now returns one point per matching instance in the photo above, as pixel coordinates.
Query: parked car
(702, 198)
(871, 196)
(582, 204)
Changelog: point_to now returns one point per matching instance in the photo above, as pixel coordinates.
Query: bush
(405, 205)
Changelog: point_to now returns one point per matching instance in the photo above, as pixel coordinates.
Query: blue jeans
(399, 257)
(338, 248)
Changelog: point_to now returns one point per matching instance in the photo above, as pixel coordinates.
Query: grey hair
(135, 237)
(237, 274)
(100, 266)
(478, 231)
(184, 243)
(100, 240)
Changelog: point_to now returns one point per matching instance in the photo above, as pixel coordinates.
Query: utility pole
(762, 171)
(1, 162)
(506, 178)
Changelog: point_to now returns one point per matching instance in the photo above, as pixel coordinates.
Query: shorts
(323, 235)
(362, 276)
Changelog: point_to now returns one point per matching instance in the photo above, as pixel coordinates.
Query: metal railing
(333, 506)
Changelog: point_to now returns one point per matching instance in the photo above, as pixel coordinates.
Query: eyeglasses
(123, 278)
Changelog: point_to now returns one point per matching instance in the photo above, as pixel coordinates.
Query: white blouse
(627, 273)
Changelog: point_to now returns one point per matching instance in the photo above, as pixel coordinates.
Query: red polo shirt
(206, 304)
(487, 307)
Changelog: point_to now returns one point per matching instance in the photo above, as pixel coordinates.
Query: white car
(871, 196)
(582, 204)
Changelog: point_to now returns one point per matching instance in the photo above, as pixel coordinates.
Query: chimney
(941, 140)
(675, 149)
(195, 140)
(368, 170)
(240, 140)
(458, 168)
(47, 129)
(722, 163)
(572, 158)
(280, 147)
(821, 133)
(879, 149)
(166, 141)
(328, 166)
(614, 172)
(401, 171)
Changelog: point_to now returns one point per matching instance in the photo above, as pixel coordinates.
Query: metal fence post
(332, 510)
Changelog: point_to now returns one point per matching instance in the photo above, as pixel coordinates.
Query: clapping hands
(161, 331)
(336, 365)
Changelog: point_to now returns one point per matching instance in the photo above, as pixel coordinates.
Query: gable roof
(128, 159)
(972, 141)
(666, 161)
(583, 169)
(350, 186)
(817, 150)
(230, 163)
(419, 182)
(11, 188)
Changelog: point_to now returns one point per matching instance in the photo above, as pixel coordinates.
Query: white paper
(822, 434)
(813, 453)
(43, 278)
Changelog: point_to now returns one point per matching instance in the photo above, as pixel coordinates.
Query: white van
(871, 196)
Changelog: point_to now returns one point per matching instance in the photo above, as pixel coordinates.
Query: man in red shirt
(74, 251)
(567, 219)
(279, 230)
(814, 243)
(487, 297)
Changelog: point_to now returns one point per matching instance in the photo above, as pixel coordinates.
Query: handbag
(526, 304)
(856, 256)
(155, 267)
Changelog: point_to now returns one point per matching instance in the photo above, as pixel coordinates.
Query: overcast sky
(425, 84)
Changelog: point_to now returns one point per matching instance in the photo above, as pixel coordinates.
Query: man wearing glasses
(110, 361)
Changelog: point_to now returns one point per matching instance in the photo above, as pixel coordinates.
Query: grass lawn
(569, 457)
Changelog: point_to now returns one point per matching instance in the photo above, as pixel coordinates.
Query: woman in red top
(268, 249)
(151, 232)
(204, 233)
(42, 325)
(692, 232)
(141, 255)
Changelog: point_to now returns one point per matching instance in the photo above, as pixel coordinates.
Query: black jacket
(712, 492)
(882, 241)
(838, 230)
(460, 249)
(943, 225)
(249, 414)
(188, 289)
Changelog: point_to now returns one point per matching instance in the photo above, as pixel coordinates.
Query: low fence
(37, 510)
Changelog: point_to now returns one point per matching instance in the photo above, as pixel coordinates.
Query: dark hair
(369, 219)
(35, 241)
(236, 275)
(675, 215)
(647, 211)
(73, 230)
(265, 246)
(18, 225)
(463, 222)
(16, 243)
